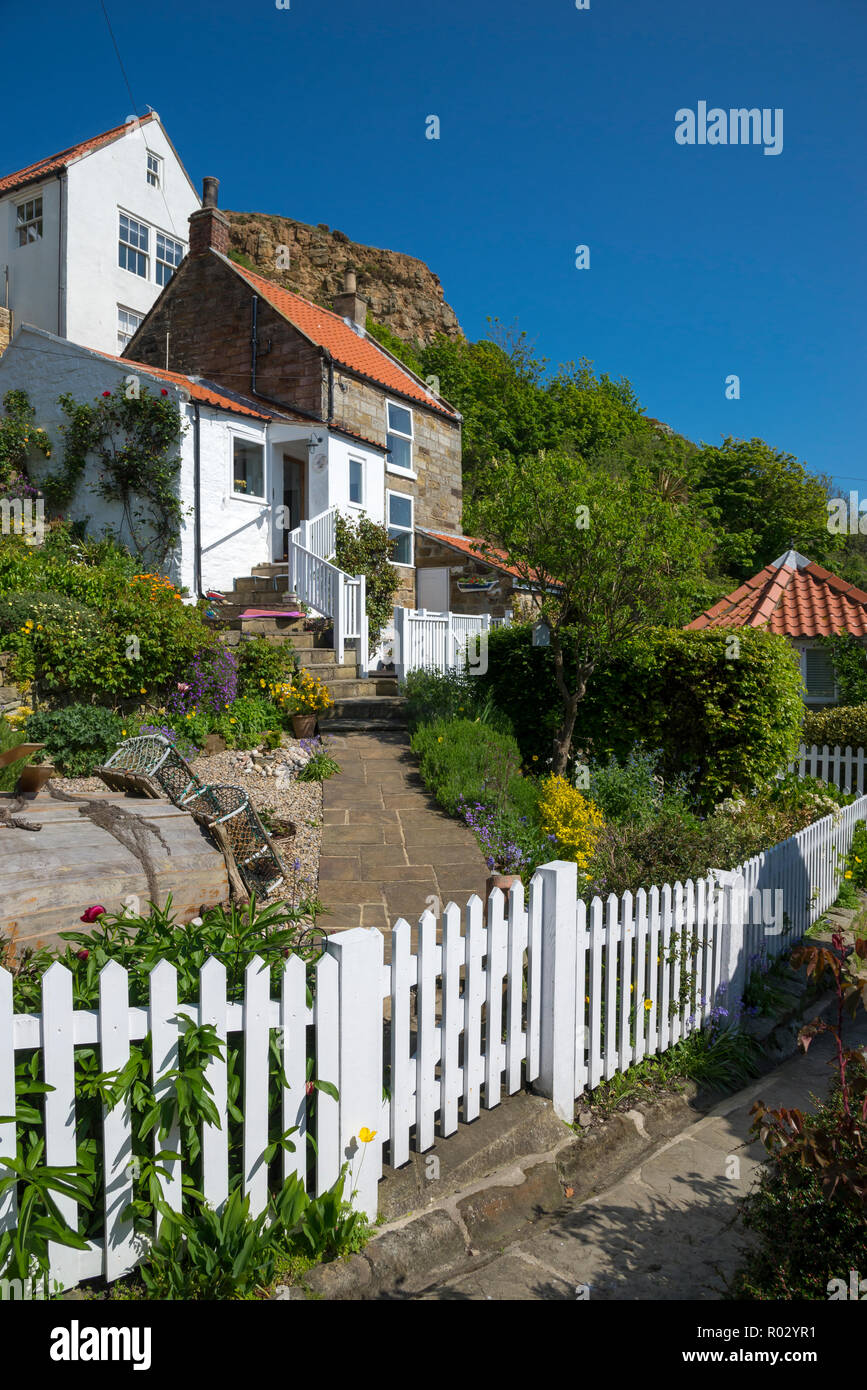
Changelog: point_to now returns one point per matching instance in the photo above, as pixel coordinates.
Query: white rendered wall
(340, 451)
(33, 269)
(235, 530)
(112, 178)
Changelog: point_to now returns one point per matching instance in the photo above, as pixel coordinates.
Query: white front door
(432, 590)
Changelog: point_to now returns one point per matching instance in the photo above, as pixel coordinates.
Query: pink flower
(106, 393)
(164, 392)
(183, 688)
(91, 913)
(82, 955)
(309, 1088)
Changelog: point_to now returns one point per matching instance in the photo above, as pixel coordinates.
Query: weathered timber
(47, 879)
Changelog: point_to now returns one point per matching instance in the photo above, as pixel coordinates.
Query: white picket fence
(441, 641)
(844, 767)
(557, 993)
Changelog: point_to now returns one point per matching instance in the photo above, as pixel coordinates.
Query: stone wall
(436, 449)
(206, 312)
(433, 554)
(5, 329)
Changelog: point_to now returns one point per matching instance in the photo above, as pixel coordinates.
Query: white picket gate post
(559, 1015)
(359, 956)
(732, 954)
(8, 1203)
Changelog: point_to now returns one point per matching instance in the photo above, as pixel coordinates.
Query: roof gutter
(197, 500)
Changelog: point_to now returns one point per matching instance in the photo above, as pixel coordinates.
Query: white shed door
(432, 590)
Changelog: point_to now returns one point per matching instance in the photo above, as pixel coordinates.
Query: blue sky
(556, 129)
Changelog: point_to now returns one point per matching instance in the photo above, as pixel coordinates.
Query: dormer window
(28, 222)
(155, 170)
(399, 437)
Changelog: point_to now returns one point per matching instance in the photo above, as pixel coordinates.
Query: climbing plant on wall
(19, 439)
(134, 438)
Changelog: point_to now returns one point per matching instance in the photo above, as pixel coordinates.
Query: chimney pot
(209, 228)
(349, 304)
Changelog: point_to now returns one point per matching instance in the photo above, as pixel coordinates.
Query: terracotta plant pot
(33, 778)
(503, 881)
(304, 725)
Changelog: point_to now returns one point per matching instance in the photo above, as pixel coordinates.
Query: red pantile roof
(203, 391)
(330, 331)
(55, 162)
(477, 549)
(794, 597)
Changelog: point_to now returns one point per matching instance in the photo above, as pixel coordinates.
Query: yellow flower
(848, 873)
(365, 1134)
(143, 691)
(232, 721)
(857, 860)
(262, 683)
(123, 733)
(535, 757)
(648, 1004)
(440, 739)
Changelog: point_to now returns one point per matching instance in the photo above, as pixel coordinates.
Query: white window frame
(396, 467)
(808, 696)
(36, 220)
(155, 175)
(159, 260)
(245, 437)
(407, 496)
(139, 314)
(137, 249)
(359, 504)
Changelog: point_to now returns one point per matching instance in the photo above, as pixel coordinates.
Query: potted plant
(305, 699)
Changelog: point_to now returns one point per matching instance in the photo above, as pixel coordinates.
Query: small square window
(400, 527)
(248, 468)
(128, 322)
(28, 222)
(356, 481)
(154, 170)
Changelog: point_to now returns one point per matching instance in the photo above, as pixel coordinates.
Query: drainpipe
(61, 183)
(197, 501)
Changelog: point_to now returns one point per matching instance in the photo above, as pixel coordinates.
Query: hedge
(727, 715)
(846, 725)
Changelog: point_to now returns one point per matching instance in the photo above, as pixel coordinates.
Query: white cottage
(229, 448)
(90, 237)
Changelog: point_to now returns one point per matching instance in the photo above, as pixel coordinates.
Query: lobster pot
(49, 876)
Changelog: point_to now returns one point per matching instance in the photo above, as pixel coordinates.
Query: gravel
(269, 777)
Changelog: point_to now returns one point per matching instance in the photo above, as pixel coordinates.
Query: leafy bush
(365, 547)
(845, 726)
(320, 765)
(10, 737)
(78, 738)
(735, 721)
(262, 663)
(130, 636)
(574, 821)
(431, 694)
(850, 667)
(40, 606)
(210, 682)
(805, 1239)
(632, 792)
(461, 760)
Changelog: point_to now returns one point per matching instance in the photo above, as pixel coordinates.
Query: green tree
(604, 553)
(764, 501)
(364, 547)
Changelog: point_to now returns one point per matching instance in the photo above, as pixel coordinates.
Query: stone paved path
(386, 846)
(670, 1229)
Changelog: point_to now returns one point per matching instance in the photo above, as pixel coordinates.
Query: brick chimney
(349, 304)
(209, 229)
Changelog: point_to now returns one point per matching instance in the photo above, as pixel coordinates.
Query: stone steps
(343, 687)
(360, 711)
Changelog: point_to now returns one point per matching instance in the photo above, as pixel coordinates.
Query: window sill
(243, 497)
(401, 472)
